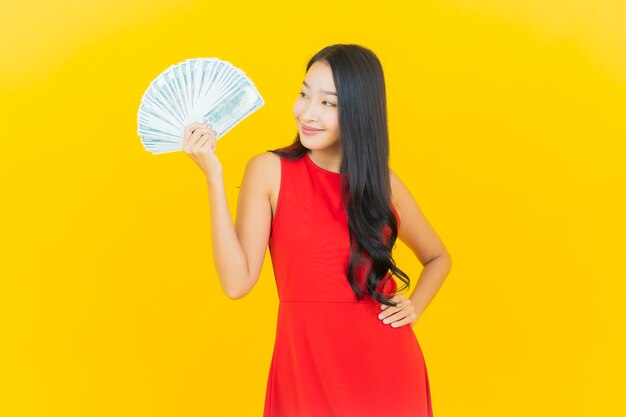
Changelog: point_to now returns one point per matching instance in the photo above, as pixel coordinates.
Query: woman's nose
(310, 112)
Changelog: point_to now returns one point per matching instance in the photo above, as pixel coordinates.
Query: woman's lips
(309, 131)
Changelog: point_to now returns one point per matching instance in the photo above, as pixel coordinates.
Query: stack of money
(188, 92)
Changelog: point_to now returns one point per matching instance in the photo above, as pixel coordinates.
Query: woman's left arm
(421, 238)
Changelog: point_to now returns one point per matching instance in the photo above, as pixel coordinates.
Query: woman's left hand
(403, 313)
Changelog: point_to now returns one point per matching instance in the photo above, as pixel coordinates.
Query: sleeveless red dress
(333, 356)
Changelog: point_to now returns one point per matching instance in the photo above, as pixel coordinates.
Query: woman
(330, 210)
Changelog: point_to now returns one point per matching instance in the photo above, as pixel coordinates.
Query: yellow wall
(507, 122)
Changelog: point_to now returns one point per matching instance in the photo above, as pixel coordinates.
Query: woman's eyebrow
(319, 89)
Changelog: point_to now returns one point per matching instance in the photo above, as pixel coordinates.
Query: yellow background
(507, 122)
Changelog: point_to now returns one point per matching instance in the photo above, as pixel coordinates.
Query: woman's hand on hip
(403, 313)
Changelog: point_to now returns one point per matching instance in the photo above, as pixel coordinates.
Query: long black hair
(366, 187)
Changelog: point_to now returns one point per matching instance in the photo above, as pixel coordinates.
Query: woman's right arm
(239, 250)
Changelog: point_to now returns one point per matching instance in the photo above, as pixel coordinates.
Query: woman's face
(316, 107)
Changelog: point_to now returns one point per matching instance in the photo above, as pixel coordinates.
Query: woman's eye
(302, 94)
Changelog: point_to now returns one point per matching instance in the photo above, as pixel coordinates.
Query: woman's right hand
(199, 143)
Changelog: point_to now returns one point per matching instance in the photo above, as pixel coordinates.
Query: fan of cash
(188, 92)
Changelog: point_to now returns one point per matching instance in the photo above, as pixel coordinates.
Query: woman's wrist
(214, 179)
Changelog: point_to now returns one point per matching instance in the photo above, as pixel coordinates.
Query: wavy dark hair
(366, 187)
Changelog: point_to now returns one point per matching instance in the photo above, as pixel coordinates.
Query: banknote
(190, 91)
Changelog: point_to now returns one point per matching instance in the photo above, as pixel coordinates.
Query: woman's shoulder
(265, 163)
(265, 167)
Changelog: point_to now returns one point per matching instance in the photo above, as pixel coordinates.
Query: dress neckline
(319, 167)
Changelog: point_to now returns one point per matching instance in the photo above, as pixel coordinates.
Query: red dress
(333, 356)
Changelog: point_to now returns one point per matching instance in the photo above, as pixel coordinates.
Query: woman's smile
(310, 131)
